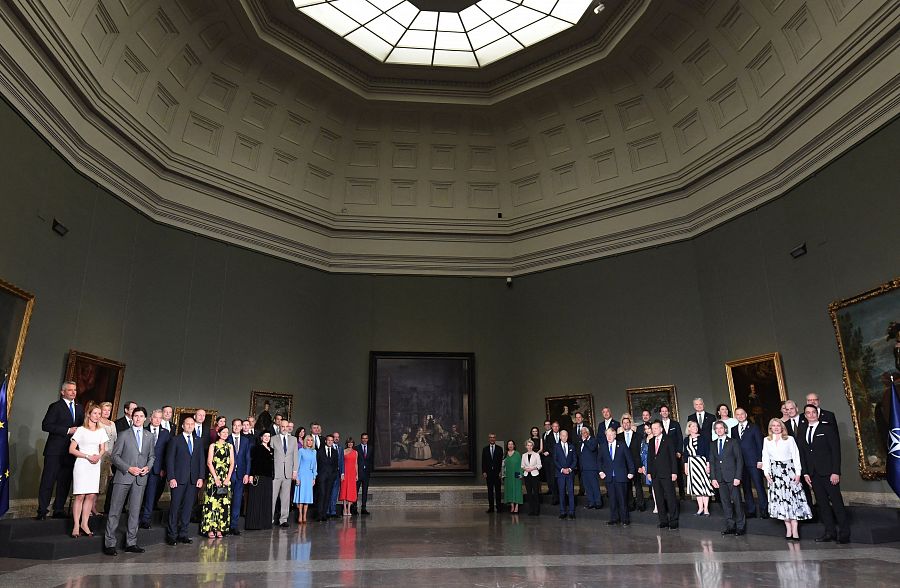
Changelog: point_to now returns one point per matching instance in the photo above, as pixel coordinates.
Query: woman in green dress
(217, 503)
(512, 475)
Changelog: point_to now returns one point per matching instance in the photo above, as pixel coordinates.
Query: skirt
(786, 498)
(698, 483)
(259, 504)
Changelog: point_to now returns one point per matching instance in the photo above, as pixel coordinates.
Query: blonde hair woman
(88, 446)
(781, 465)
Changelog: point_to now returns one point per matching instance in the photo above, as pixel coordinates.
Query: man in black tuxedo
(726, 467)
(703, 418)
(551, 440)
(491, 464)
(185, 472)
(662, 472)
(672, 429)
(327, 464)
(635, 487)
(820, 455)
(750, 440)
(63, 417)
(825, 416)
(365, 463)
(124, 422)
(156, 480)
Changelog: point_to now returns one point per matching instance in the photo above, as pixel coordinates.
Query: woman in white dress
(781, 465)
(106, 411)
(88, 446)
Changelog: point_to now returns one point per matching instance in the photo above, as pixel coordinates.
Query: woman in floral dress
(217, 503)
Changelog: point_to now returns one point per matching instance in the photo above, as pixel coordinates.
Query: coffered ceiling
(246, 121)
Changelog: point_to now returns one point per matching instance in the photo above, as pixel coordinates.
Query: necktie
(700, 419)
(72, 410)
(809, 436)
(284, 443)
(556, 436)
(364, 452)
(138, 437)
(721, 443)
(611, 456)
(741, 435)
(657, 446)
(628, 439)
(237, 443)
(155, 436)
(566, 449)
(199, 430)
(328, 452)
(190, 445)
(492, 451)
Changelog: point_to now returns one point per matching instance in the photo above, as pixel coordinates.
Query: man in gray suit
(726, 467)
(133, 457)
(284, 447)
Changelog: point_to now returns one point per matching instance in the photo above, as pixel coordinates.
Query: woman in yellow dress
(217, 503)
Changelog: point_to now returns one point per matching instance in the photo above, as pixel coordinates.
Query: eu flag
(4, 451)
(893, 464)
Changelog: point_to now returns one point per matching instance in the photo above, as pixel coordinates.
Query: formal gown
(106, 462)
(306, 474)
(781, 462)
(512, 478)
(259, 489)
(645, 448)
(348, 484)
(697, 482)
(86, 475)
(217, 509)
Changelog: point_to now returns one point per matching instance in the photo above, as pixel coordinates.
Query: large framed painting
(867, 327)
(96, 378)
(272, 404)
(15, 314)
(562, 409)
(756, 384)
(422, 413)
(182, 412)
(651, 398)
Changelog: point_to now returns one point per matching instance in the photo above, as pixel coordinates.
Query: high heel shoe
(87, 532)
(76, 535)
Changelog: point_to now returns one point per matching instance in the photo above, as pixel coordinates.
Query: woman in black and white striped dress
(696, 468)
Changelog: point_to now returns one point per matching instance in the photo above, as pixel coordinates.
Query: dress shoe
(626, 524)
(134, 549)
(673, 526)
(235, 532)
(662, 526)
(642, 508)
(843, 540)
(41, 517)
(764, 515)
(729, 532)
(59, 515)
(562, 516)
(185, 540)
(364, 512)
(144, 526)
(751, 515)
(110, 551)
(171, 541)
(489, 511)
(740, 532)
(612, 523)
(571, 517)
(824, 539)
(285, 525)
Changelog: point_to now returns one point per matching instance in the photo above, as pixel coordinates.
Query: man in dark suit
(156, 481)
(726, 466)
(365, 463)
(703, 418)
(825, 416)
(820, 455)
(794, 418)
(662, 472)
(589, 467)
(578, 424)
(124, 421)
(551, 440)
(608, 422)
(565, 461)
(616, 468)
(184, 471)
(491, 464)
(634, 488)
(327, 464)
(750, 440)
(672, 429)
(241, 473)
(60, 422)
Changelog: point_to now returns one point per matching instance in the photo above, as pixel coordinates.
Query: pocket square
(820, 434)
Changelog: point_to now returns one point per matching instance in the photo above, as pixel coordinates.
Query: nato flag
(4, 451)
(893, 464)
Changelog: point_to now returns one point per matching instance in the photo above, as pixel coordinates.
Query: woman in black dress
(259, 490)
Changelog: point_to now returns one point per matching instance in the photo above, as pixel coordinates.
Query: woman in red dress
(348, 480)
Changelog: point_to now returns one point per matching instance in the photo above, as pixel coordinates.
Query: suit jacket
(241, 457)
(823, 457)
(125, 454)
(634, 448)
(825, 416)
(728, 465)
(663, 463)
(159, 451)
(751, 443)
(587, 455)
(121, 424)
(548, 461)
(561, 460)
(576, 434)
(675, 434)
(326, 466)
(57, 422)
(183, 466)
(286, 464)
(620, 465)
(613, 423)
(492, 466)
(789, 425)
(708, 420)
(364, 463)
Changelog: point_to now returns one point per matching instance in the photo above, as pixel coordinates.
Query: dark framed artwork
(422, 413)
(756, 384)
(96, 378)
(563, 408)
(15, 314)
(282, 404)
(651, 398)
(182, 412)
(867, 328)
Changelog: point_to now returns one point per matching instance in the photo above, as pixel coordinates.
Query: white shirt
(700, 419)
(165, 425)
(810, 431)
(198, 430)
(783, 450)
(628, 438)
(666, 426)
(237, 442)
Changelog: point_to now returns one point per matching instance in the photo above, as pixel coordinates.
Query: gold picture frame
(867, 329)
(16, 306)
(97, 379)
(182, 412)
(280, 403)
(563, 409)
(651, 398)
(756, 384)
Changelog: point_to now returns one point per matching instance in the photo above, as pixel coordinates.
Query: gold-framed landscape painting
(563, 408)
(867, 328)
(651, 398)
(16, 306)
(756, 384)
(97, 379)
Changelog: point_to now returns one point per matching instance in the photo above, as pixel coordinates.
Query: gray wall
(200, 322)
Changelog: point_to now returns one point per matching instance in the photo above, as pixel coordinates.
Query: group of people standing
(213, 472)
(798, 456)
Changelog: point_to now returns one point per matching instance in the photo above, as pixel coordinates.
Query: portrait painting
(182, 412)
(15, 314)
(756, 384)
(867, 328)
(265, 405)
(562, 409)
(422, 413)
(651, 398)
(96, 378)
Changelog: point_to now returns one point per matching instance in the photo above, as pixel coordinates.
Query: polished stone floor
(465, 547)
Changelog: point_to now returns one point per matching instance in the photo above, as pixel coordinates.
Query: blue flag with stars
(893, 464)
(4, 451)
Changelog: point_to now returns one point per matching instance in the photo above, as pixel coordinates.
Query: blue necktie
(137, 437)
(721, 442)
(190, 444)
(72, 410)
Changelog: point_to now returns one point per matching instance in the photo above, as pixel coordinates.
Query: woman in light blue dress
(306, 478)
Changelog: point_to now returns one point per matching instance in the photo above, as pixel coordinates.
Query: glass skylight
(395, 31)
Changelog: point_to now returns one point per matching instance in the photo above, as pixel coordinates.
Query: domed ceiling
(646, 123)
